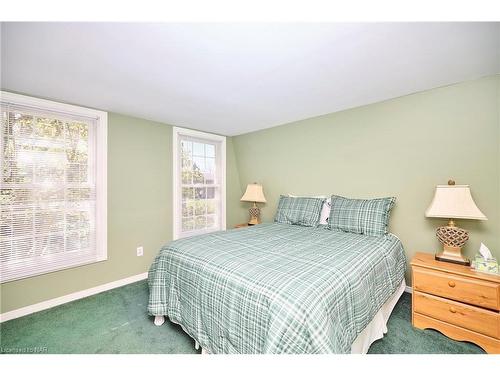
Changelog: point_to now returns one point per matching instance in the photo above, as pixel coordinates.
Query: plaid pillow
(299, 210)
(361, 216)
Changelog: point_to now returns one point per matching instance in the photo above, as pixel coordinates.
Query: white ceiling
(236, 78)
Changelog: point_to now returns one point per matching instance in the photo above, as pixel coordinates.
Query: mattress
(275, 288)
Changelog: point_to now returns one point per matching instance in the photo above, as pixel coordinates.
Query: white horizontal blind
(200, 184)
(48, 191)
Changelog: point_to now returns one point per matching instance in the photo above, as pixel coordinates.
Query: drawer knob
(452, 310)
(451, 284)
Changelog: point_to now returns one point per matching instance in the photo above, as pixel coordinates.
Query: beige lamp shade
(454, 202)
(254, 193)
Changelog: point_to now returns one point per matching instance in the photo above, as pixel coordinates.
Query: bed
(279, 288)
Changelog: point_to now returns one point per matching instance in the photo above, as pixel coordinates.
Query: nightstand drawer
(462, 315)
(473, 291)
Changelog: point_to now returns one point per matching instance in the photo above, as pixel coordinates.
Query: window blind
(48, 191)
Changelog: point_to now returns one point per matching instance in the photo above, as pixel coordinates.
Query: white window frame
(60, 261)
(177, 199)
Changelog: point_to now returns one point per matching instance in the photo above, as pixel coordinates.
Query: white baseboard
(9, 315)
(408, 289)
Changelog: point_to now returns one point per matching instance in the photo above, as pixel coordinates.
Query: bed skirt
(376, 329)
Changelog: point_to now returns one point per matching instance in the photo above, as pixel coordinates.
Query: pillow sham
(361, 216)
(325, 209)
(303, 211)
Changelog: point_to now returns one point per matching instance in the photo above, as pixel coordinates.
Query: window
(199, 182)
(52, 186)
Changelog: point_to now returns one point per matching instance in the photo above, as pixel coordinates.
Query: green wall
(401, 147)
(234, 212)
(139, 212)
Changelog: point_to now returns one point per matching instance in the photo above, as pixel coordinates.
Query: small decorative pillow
(361, 216)
(299, 210)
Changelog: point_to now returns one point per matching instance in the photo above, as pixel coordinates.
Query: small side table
(243, 225)
(457, 301)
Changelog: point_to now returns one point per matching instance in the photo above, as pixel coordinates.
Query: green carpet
(116, 322)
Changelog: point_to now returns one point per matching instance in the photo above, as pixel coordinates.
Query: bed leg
(196, 345)
(159, 320)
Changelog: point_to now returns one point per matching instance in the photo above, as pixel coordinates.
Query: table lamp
(255, 194)
(453, 202)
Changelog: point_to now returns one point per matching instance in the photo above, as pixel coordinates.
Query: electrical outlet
(140, 251)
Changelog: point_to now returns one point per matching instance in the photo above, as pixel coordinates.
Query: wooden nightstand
(243, 225)
(457, 301)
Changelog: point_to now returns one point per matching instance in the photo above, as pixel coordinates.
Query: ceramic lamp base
(254, 221)
(452, 254)
(254, 215)
(452, 238)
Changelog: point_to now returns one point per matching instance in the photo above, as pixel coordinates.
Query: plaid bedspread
(275, 288)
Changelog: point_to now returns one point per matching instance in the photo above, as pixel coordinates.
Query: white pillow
(325, 210)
